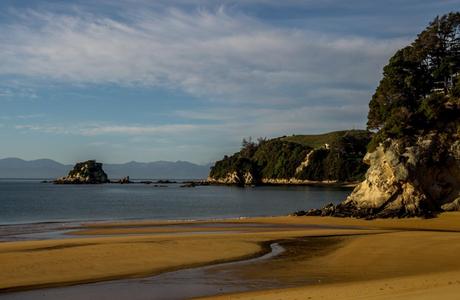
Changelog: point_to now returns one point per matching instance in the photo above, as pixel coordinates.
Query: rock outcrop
(88, 172)
(234, 178)
(413, 176)
(414, 156)
(124, 180)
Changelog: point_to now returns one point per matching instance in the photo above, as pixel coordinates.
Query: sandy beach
(341, 258)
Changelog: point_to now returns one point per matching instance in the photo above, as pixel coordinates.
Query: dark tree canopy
(421, 82)
(280, 158)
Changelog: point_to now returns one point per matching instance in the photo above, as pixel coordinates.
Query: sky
(142, 80)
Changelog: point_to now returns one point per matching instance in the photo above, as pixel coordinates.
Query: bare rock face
(234, 178)
(452, 206)
(408, 178)
(88, 172)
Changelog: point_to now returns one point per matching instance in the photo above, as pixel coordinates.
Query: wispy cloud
(137, 130)
(213, 54)
(187, 79)
(44, 129)
(229, 122)
(11, 92)
(22, 117)
(94, 129)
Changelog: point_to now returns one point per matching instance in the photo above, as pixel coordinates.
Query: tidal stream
(274, 269)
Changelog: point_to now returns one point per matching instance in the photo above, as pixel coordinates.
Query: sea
(31, 201)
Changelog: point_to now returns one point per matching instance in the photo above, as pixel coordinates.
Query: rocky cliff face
(234, 178)
(409, 180)
(414, 156)
(247, 179)
(88, 172)
(412, 176)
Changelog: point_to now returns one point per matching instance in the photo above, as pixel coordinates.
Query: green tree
(419, 81)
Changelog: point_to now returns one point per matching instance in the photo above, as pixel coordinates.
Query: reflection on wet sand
(276, 269)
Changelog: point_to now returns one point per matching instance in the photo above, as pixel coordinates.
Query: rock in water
(237, 177)
(88, 172)
(124, 180)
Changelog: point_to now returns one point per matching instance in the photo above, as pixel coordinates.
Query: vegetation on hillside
(419, 92)
(319, 140)
(420, 88)
(334, 156)
(342, 161)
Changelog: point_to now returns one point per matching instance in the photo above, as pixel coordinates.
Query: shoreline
(197, 182)
(287, 184)
(143, 248)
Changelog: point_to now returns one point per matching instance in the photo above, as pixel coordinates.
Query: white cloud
(211, 54)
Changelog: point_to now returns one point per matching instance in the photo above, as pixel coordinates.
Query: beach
(325, 257)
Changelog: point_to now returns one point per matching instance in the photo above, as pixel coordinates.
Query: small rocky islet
(88, 172)
(91, 172)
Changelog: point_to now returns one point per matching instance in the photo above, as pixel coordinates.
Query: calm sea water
(31, 201)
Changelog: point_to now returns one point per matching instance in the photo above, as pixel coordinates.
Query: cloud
(52, 129)
(14, 92)
(214, 54)
(95, 129)
(137, 130)
(231, 123)
(22, 117)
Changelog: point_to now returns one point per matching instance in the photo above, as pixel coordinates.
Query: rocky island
(414, 158)
(88, 172)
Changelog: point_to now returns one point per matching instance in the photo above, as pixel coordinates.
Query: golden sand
(429, 286)
(395, 258)
(56, 262)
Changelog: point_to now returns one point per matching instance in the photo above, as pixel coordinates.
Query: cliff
(334, 157)
(410, 178)
(88, 172)
(414, 158)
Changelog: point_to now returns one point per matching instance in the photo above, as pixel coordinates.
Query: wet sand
(400, 265)
(181, 284)
(322, 255)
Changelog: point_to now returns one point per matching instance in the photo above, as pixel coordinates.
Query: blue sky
(187, 79)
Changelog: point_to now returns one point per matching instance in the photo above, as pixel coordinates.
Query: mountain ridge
(14, 167)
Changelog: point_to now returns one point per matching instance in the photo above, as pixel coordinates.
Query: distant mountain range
(47, 168)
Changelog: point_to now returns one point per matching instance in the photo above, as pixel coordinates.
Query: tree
(405, 98)
(248, 147)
